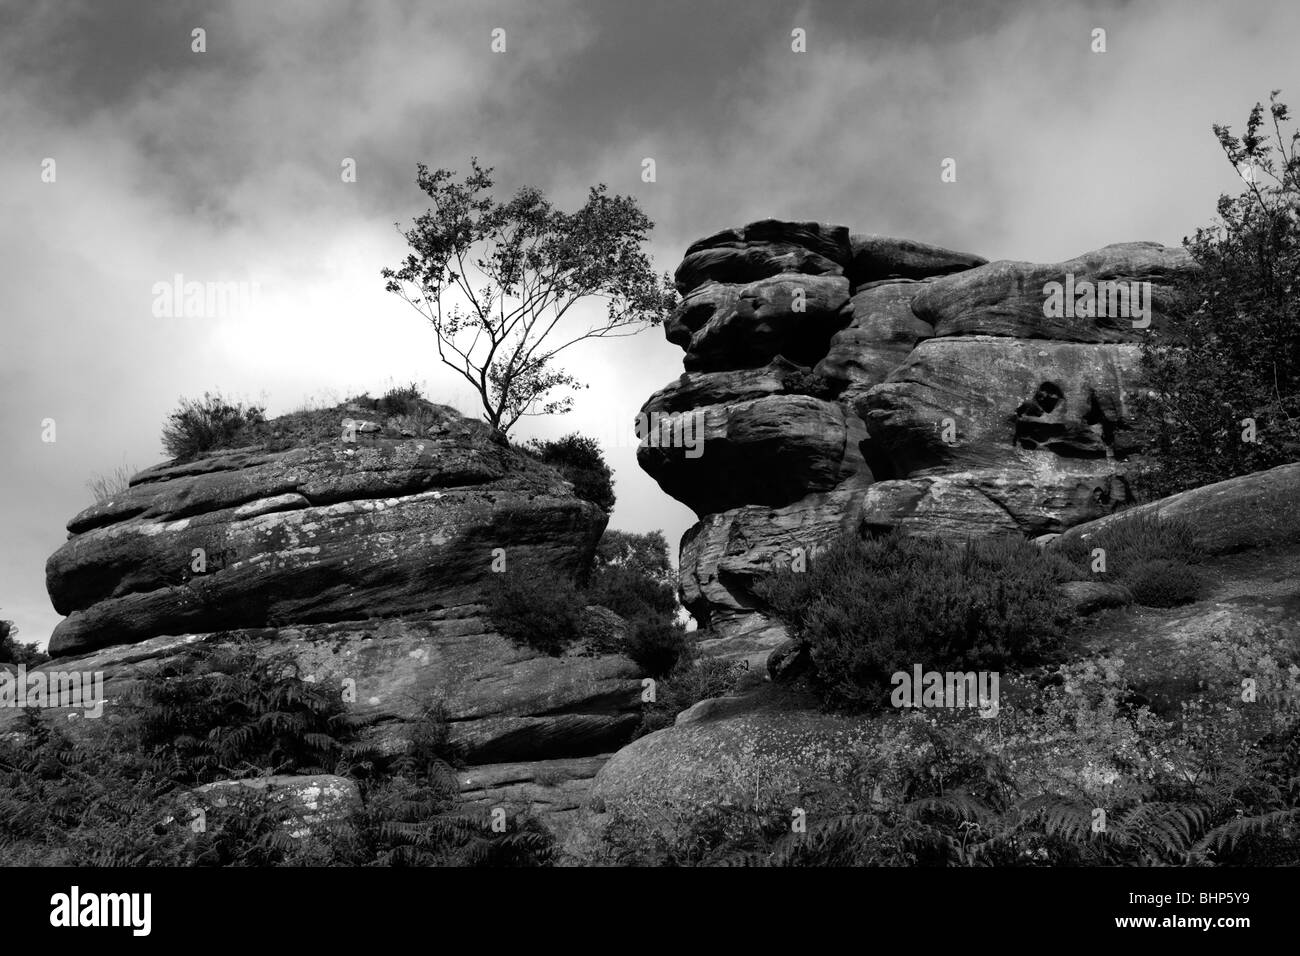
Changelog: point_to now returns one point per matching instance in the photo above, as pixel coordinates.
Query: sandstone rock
(766, 756)
(1088, 597)
(761, 249)
(882, 257)
(502, 701)
(552, 790)
(315, 534)
(1255, 511)
(960, 409)
(724, 554)
(1007, 298)
(1000, 398)
(831, 242)
(881, 334)
(725, 326)
(788, 661)
(770, 450)
(312, 801)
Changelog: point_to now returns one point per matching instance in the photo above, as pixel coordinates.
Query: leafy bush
(867, 609)
(13, 651)
(200, 425)
(537, 607)
(657, 645)
(581, 461)
(1232, 352)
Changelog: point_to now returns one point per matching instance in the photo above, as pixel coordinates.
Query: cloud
(224, 166)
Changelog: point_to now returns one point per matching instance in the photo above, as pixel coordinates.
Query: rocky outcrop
(851, 382)
(1254, 512)
(364, 556)
(334, 531)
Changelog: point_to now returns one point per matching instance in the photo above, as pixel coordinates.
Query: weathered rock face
(332, 532)
(367, 561)
(947, 395)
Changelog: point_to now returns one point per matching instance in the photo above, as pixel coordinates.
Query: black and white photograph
(446, 440)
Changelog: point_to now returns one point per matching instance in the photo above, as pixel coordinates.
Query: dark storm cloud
(225, 165)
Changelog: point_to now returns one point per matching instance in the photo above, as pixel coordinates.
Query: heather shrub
(869, 608)
(1163, 583)
(1153, 557)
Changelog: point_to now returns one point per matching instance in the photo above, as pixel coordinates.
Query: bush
(868, 609)
(631, 594)
(692, 680)
(201, 425)
(13, 651)
(581, 461)
(537, 607)
(1153, 557)
(1163, 583)
(1232, 350)
(402, 400)
(657, 645)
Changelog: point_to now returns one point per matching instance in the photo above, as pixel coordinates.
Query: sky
(225, 166)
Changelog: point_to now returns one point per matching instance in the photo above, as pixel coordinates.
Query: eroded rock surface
(948, 395)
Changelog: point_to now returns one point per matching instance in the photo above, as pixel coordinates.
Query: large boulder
(765, 248)
(334, 531)
(944, 400)
(363, 554)
(1257, 511)
(1009, 298)
(727, 327)
(875, 258)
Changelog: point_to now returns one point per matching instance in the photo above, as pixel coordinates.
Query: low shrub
(1163, 583)
(657, 645)
(537, 607)
(1153, 557)
(581, 461)
(867, 609)
(200, 425)
(693, 679)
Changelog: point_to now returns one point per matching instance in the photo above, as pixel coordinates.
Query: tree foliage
(1227, 370)
(495, 279)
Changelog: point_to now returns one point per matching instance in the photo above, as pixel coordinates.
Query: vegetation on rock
(1224, 376)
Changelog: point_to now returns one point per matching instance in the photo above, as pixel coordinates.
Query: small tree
(1225, 376)
(495, 279)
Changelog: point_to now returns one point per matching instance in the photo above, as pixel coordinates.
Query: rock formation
(849, 381)
(366, 555)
